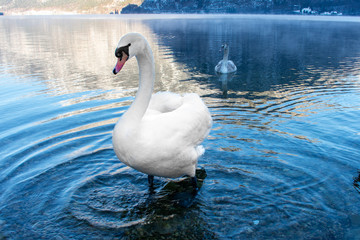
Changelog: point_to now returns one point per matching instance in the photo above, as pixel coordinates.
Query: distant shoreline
(44, 12)
(290, 17)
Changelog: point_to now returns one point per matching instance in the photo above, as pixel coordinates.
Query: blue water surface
(281, 161)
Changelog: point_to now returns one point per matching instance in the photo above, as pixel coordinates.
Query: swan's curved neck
(146, 65)
(226, 54)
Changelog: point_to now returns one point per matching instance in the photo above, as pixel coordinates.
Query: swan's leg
(194, 183)
(151, 181)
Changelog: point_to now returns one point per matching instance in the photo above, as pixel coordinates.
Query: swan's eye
(119, 51)
(118, 54)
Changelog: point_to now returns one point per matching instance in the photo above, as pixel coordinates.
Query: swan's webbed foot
(151, 181)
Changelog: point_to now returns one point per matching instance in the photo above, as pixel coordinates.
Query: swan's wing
(165, 102)
(187, 125)
(225, 67)
(231, 66)
(218, 66)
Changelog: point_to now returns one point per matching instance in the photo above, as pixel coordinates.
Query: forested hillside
(347, 7)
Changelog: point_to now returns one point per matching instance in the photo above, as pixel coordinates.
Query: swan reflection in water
(128, 210)
(225, 78)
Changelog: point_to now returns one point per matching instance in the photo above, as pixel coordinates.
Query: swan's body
(225, 65)
(159, 135)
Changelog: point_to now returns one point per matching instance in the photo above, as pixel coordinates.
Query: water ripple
(281, 160)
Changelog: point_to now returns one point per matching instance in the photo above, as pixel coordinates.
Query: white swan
(159, 135)
(225, 65)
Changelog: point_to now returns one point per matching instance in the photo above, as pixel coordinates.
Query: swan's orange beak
(120, 63)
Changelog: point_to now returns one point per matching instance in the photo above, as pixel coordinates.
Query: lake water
(281, 161)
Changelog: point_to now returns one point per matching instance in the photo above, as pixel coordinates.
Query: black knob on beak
(120, 50)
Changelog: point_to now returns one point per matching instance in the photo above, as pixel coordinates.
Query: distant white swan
(160, 134)
(225, 65)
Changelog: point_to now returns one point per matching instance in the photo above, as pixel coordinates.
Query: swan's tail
(200, 150)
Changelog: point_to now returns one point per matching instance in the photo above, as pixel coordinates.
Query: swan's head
(224, 47)
(129, 46)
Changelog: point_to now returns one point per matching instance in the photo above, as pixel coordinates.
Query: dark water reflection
(268, 52)
(281, 161)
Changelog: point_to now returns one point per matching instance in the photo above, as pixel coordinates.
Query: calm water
(281, 161)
